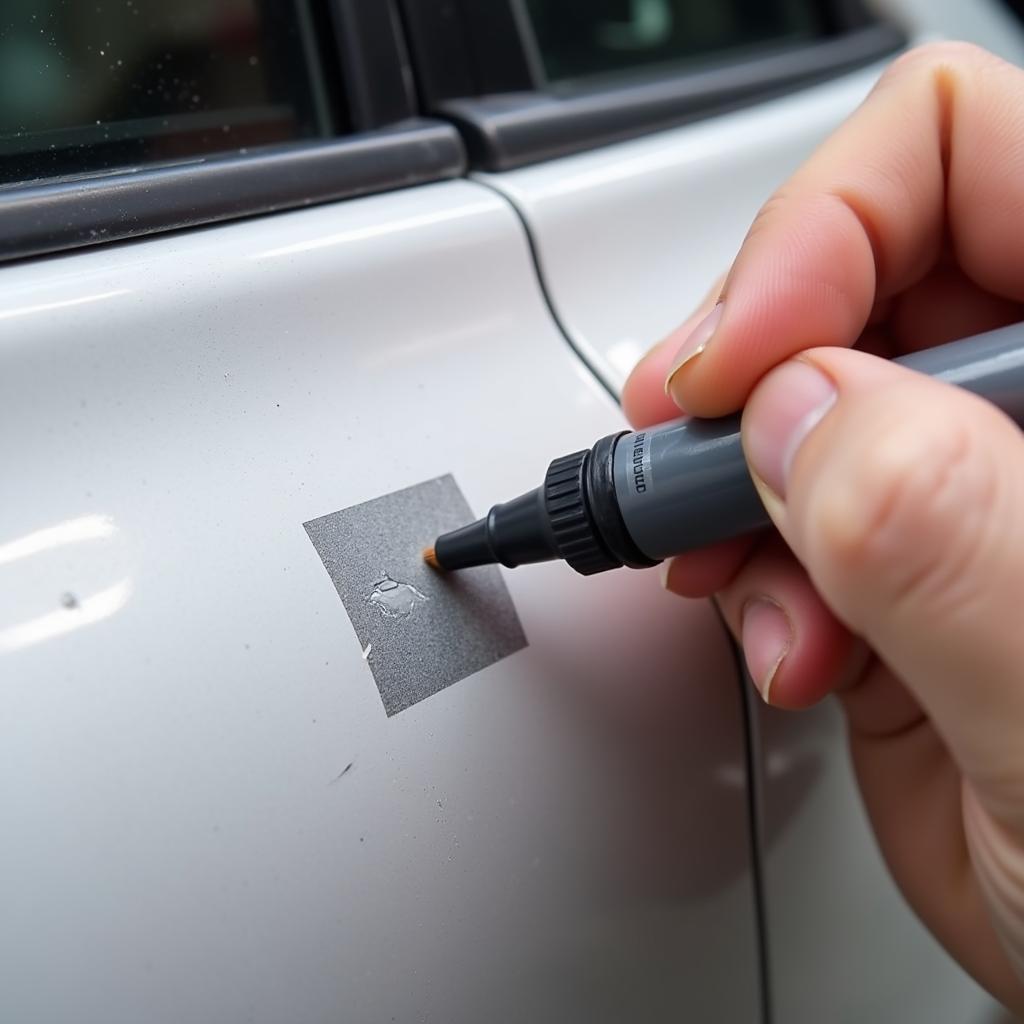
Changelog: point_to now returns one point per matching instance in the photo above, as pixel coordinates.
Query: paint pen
(637, 498)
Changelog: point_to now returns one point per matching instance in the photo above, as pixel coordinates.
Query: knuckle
(772, 208)
(914, 525)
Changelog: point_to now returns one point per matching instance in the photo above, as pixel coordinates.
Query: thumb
(904, 499)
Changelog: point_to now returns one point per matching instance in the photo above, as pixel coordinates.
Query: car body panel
(630, 238)
(206, 813)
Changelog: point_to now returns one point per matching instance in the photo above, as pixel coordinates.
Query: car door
(245, 287)
(637, 141)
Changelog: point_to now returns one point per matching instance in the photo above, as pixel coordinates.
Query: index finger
(937, 149)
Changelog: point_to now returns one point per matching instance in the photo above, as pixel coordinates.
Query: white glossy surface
(631, 237)
(988, 23)
(561, 837)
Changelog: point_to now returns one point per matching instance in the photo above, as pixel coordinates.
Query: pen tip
(430, 557)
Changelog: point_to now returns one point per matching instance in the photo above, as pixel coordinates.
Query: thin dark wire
(751, 736)
(543, 283)
(752, 758)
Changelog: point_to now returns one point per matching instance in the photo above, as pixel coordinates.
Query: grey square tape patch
(420, 630)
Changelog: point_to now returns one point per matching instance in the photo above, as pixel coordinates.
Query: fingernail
(696, 341)
(767, 636)
(663, 572)
(785, 408)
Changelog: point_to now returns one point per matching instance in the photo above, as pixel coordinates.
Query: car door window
(125, 117)
(585, 37)
(529, 80)
(89, 87)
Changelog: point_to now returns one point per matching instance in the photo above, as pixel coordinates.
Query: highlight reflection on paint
(46, 307)
(371, 231)
(65, 619)
(72, 531)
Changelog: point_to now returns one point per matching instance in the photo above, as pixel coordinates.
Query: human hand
(895, 575)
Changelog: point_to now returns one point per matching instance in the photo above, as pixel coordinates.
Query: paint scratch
(366, 651)
(344, 771)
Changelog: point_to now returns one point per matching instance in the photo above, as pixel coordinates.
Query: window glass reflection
(94, 84)
(577, 38)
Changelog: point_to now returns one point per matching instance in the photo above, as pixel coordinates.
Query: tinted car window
(87, 85)
(577, 38)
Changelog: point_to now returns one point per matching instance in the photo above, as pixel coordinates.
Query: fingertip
(703, 572)
(805, 277)
(693, 343)
(795, 648)
(645, 398)
(815, 663)
(766, 633)
(820, 650)
(692, 378)
(643, 395)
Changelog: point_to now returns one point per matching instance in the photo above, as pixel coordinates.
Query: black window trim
(509, 130)
(392, 147)
(477, 102)
(479, 66)
(50, 216)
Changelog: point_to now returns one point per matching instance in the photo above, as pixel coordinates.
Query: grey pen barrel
(990, 365)
(685, 484)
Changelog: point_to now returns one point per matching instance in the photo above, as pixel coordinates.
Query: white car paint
(987, 23)
(560, 837)
(631, 237)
